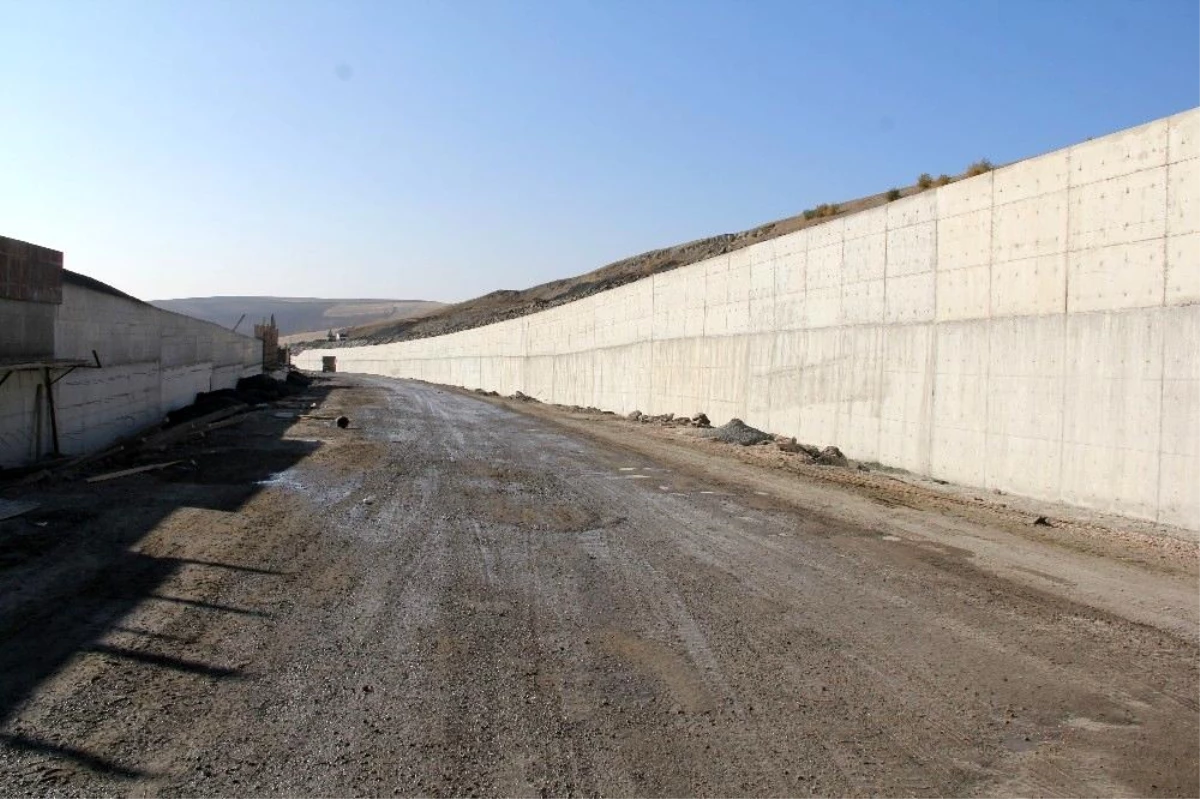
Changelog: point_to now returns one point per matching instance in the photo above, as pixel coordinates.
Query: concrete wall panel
(965, 240)
(960, 403)
(1183, 269)
(153, 362)
(969, 196)
(1118, 277)
(1123, 210)
(872, 222)
(858, 410)
(910, 298)
(1179, 458)
(917, 209)
(864, 258)
(1033, 178)
(761, 303)
(1183, 136)
(911, 250)
(818, 386)
(760, 353)
(1111, 416)
(863, 303)
(1034, 330)
(1030, 228)
(1026, 358)
(1029, 286)
(906, 397)
(791, 261)
(787, 364)
(963, 293)
(1121, 153)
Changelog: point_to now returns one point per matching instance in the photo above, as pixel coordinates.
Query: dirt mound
(735, 431)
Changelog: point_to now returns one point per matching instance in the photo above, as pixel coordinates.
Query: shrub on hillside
(893, 194)
(942, 180)
(822, 211)
(925, 180)
(979, 167)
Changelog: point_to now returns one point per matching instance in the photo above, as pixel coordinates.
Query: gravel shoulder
(457, 596)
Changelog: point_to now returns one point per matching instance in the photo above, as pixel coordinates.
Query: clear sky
(440, 150)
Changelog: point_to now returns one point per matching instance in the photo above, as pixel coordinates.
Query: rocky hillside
(508, 304)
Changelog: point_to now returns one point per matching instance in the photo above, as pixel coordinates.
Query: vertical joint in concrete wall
(1066, 307)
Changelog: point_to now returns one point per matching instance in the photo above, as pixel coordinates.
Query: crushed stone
(735, 431)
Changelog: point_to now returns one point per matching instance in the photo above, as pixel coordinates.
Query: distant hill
(297, 314)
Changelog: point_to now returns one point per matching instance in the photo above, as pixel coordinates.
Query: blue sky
(440, 150)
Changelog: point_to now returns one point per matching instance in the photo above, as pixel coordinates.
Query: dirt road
(452, 598)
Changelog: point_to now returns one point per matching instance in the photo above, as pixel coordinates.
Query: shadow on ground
(70, 571)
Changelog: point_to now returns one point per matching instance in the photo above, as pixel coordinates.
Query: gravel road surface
(454, 598)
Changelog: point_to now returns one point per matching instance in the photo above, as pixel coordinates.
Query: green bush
(979, 167)
(893, 194)
(809, 214)
(925, 180)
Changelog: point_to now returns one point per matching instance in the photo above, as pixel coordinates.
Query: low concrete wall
(153, 361)
(1034, 329)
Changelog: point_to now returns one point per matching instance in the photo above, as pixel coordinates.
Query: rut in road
(460, 599)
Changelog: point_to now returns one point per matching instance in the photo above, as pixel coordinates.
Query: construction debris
(250, 391)
(212, 410)
(198, 424)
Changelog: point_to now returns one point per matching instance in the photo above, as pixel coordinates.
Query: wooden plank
(182, 431)
(135, 470)
(227, 422)
(9, 509)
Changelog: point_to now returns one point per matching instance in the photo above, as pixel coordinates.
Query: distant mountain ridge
(297, 314)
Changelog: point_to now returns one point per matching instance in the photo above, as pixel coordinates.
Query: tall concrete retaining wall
(153, 361)
(1034, 329)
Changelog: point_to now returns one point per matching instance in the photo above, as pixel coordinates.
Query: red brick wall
(30, 273)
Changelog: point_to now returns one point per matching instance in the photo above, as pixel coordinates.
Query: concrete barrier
(153, 362)
(1034, 329)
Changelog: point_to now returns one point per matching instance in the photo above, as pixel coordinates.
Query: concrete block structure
(1034, 329)
(150, 362)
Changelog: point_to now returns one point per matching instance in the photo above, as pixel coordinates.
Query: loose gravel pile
(735, 431)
